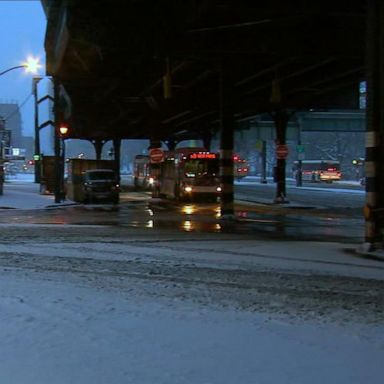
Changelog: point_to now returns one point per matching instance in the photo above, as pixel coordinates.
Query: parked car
(100, 184)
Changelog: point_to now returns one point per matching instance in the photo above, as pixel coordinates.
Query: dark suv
(100, 185)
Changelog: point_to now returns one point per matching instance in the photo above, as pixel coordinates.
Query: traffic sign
(282, 151)
(156, 155)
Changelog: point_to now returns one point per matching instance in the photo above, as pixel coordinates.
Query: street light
(63, 130)
(32, 65)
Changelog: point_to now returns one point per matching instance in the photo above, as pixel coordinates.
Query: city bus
(189, 173)
(318, 170)
(142, 177)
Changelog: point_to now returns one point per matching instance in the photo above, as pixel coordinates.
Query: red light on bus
(202, 155)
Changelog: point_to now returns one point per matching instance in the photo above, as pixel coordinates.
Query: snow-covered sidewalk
(88, 305)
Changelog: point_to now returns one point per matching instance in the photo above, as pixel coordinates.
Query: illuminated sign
(202, 155)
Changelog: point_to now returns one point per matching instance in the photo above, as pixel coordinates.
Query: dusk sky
(23, 26)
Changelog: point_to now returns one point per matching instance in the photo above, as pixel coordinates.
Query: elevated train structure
(173, 70)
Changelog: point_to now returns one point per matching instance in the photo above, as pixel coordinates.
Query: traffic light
(359, 161)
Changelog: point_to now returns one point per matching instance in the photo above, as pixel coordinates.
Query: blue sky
(23, 26)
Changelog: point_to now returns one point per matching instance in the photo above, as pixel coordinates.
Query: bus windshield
(201, 168)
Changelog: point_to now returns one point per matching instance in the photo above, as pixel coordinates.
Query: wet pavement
(196, 218)
(22, 204)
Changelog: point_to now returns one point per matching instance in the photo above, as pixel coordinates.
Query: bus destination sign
(202, 155)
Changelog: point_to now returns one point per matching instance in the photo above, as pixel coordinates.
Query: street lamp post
(31, 65)
(63, 132)
(12, 68)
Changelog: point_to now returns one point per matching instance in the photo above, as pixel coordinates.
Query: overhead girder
(115, 59)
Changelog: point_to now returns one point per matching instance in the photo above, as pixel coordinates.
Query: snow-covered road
(100, 304)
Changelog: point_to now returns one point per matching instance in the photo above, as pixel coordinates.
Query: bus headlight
(218, 189)
(188, 189)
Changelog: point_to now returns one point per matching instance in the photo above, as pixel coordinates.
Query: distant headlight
(218, 189)
(188, 189)
(151, 181)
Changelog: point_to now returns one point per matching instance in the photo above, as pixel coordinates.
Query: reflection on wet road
(277, 222)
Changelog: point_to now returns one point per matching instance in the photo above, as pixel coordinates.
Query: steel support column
(171, 144)
(98, 145)
(117, 152)
(155, 168)
(226, 141)
(374, 158)
(299, 171)
(154, 143)
(281, 118)
(207, 139)
(263, 179)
